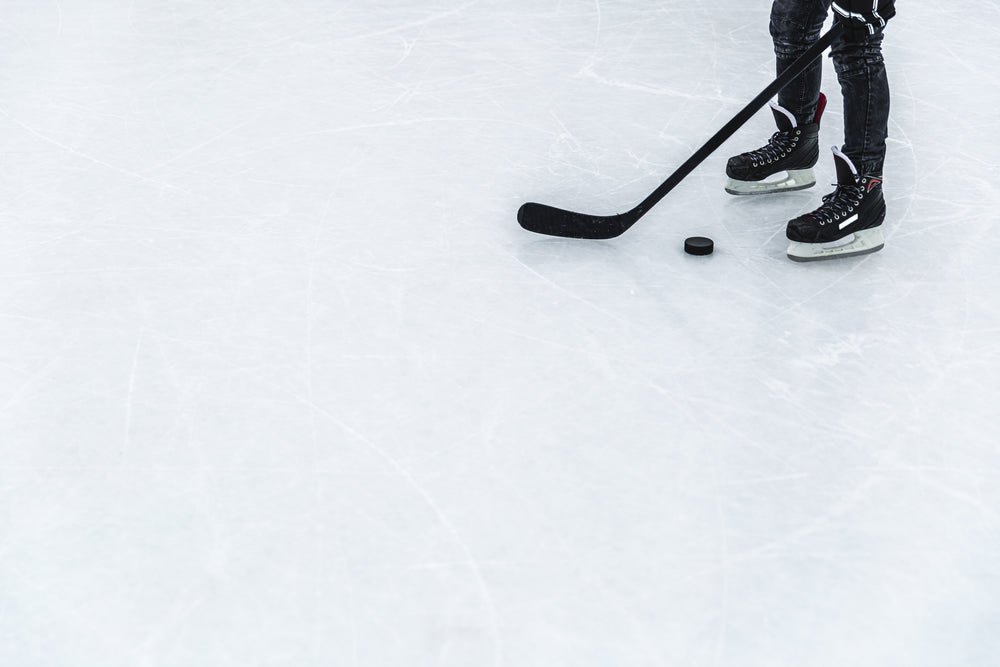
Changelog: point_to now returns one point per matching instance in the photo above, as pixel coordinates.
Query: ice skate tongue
(783, 118)
(847, 174)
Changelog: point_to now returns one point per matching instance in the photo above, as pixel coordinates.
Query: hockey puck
(698, 245)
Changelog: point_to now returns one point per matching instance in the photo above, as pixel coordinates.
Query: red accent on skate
(820, 106)
(872, 182)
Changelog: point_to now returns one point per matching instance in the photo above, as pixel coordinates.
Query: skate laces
(838, 203)
(780, 145)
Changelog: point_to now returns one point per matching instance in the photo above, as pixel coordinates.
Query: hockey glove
(864, 17)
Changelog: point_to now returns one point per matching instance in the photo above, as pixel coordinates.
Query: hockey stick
(558, 222)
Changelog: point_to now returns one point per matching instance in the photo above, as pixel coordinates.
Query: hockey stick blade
(552, 221)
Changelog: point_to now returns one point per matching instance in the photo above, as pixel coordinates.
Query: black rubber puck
(698, 245)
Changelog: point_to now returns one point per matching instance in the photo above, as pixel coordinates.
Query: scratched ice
(282, 382)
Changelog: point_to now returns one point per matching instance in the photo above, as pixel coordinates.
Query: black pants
(795, 25)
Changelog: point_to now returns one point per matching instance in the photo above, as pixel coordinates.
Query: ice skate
(785, 163)
(847, 224)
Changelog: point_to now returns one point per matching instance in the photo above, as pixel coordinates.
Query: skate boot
(785, 163)
(848, 222)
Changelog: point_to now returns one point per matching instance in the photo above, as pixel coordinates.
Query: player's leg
(795, 26)
(785, 163)
(850, 218)
(865, 86)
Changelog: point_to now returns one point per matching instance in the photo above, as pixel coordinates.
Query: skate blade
(860, 243)
(793, 179)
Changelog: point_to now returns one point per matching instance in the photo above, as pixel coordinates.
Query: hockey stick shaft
(557, 222)
(740, 119)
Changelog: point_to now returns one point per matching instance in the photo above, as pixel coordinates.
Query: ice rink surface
(282, 382)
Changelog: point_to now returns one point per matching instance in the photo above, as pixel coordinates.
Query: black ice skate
(849, 221)
(785, 163)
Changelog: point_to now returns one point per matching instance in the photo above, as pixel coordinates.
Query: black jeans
(795, 25)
